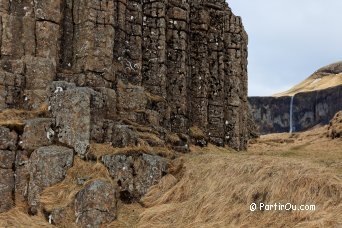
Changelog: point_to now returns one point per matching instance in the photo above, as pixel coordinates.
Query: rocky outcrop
(335, 126)
(122, 74)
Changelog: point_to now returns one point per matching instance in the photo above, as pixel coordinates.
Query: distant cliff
(314, 101)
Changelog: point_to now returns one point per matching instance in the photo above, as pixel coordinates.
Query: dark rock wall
(272, 114)
(193, 54)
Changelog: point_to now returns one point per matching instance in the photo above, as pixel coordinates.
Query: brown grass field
(213, 187)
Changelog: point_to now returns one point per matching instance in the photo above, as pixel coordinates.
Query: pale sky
(288, 40)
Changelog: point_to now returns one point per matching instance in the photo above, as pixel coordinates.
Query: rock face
(272, 114)
(122, 74)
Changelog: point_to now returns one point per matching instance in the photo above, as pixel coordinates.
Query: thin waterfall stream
(291, 114)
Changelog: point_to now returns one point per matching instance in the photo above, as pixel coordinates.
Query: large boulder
(48, 166)
(96, 204)
(135, 173)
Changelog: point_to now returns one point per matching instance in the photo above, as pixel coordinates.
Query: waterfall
(291, 114)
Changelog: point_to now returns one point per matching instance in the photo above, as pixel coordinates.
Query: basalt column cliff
(124, 73)
(190, 56)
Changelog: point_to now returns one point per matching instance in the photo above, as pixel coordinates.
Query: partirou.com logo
(281, 207)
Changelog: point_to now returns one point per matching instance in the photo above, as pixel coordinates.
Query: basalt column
(177, 64)
(154, 47)
(29, 51)
(128, 40)
(93, 39)
(217, 77)
(199, 66)
(235, 40)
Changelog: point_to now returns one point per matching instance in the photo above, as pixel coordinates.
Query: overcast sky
(288, 40)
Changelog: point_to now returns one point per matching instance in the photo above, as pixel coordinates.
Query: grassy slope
(313, 83)
(323, 78)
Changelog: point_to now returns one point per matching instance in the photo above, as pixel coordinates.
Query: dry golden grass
(82, 172)
(313, 145)
(196, 132)
(172, 138)
(19, 219)
(99, 150)
(217, 188)
(16, 118)
(138, 127)
(62, 195)
(154, 98)
(150, 137)
(314, 82)
(127, 217)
